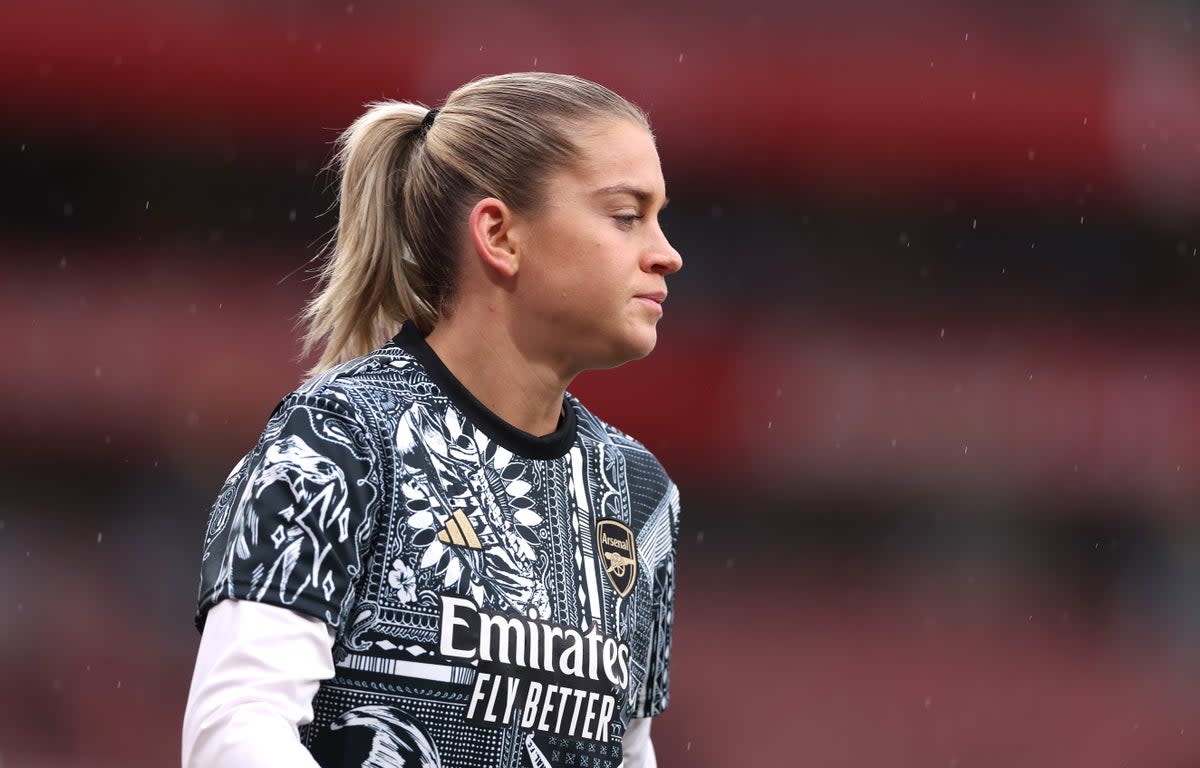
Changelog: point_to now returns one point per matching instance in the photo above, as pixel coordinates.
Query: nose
(663, 258)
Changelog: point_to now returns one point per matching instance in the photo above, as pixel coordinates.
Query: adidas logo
(458, 531)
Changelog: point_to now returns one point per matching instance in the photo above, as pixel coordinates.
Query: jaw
(634, 344)
(571, 343)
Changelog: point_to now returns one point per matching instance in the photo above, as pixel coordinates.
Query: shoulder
(362, 388)
(595, 430)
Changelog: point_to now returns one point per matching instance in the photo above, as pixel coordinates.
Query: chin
(634, 348)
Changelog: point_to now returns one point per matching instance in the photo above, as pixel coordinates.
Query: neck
(486, 358)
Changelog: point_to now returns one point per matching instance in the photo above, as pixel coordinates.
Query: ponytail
(370, 281)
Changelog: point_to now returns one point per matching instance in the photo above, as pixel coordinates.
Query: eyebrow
(641, 195)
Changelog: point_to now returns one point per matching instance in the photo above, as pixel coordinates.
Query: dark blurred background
(928, 380)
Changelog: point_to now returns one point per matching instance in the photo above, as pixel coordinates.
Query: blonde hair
(407, 185)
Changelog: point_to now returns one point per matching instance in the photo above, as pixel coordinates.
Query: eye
(626, 222)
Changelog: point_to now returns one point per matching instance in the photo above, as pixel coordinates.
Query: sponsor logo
(547, 677)
(618, 555)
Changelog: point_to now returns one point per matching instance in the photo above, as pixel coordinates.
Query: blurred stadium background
(929, 379)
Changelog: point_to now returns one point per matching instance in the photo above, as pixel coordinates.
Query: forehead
(616, 153)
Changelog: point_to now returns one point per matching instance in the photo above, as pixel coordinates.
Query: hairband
(428, 121)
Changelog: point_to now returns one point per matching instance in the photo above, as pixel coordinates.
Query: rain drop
(62, 263)
(97, 373)
(681, 58)
(942, 334)
(967, 36)
(292, 215)
(1085, 121)
(147, 205)
(972, 95)
(928, 702)
(99, 537)
(974, 223)
(699, 537)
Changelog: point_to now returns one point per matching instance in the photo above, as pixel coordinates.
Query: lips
(658, 297)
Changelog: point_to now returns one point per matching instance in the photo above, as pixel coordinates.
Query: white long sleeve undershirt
(257, 671)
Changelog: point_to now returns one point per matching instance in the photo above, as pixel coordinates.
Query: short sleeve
(657, 692)
(293, 522)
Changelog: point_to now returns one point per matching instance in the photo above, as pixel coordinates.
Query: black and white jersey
(499, 599)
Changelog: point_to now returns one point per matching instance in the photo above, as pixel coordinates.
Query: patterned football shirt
(499, 599)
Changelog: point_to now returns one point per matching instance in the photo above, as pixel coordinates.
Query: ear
(490, 225)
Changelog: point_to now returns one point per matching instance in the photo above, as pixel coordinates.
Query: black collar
(551, 446)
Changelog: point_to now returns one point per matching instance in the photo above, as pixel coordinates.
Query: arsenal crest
(618, 555)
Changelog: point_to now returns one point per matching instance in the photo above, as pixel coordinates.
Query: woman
(435, 556)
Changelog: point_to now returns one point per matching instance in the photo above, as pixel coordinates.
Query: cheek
(574, 272)
(577, 268)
